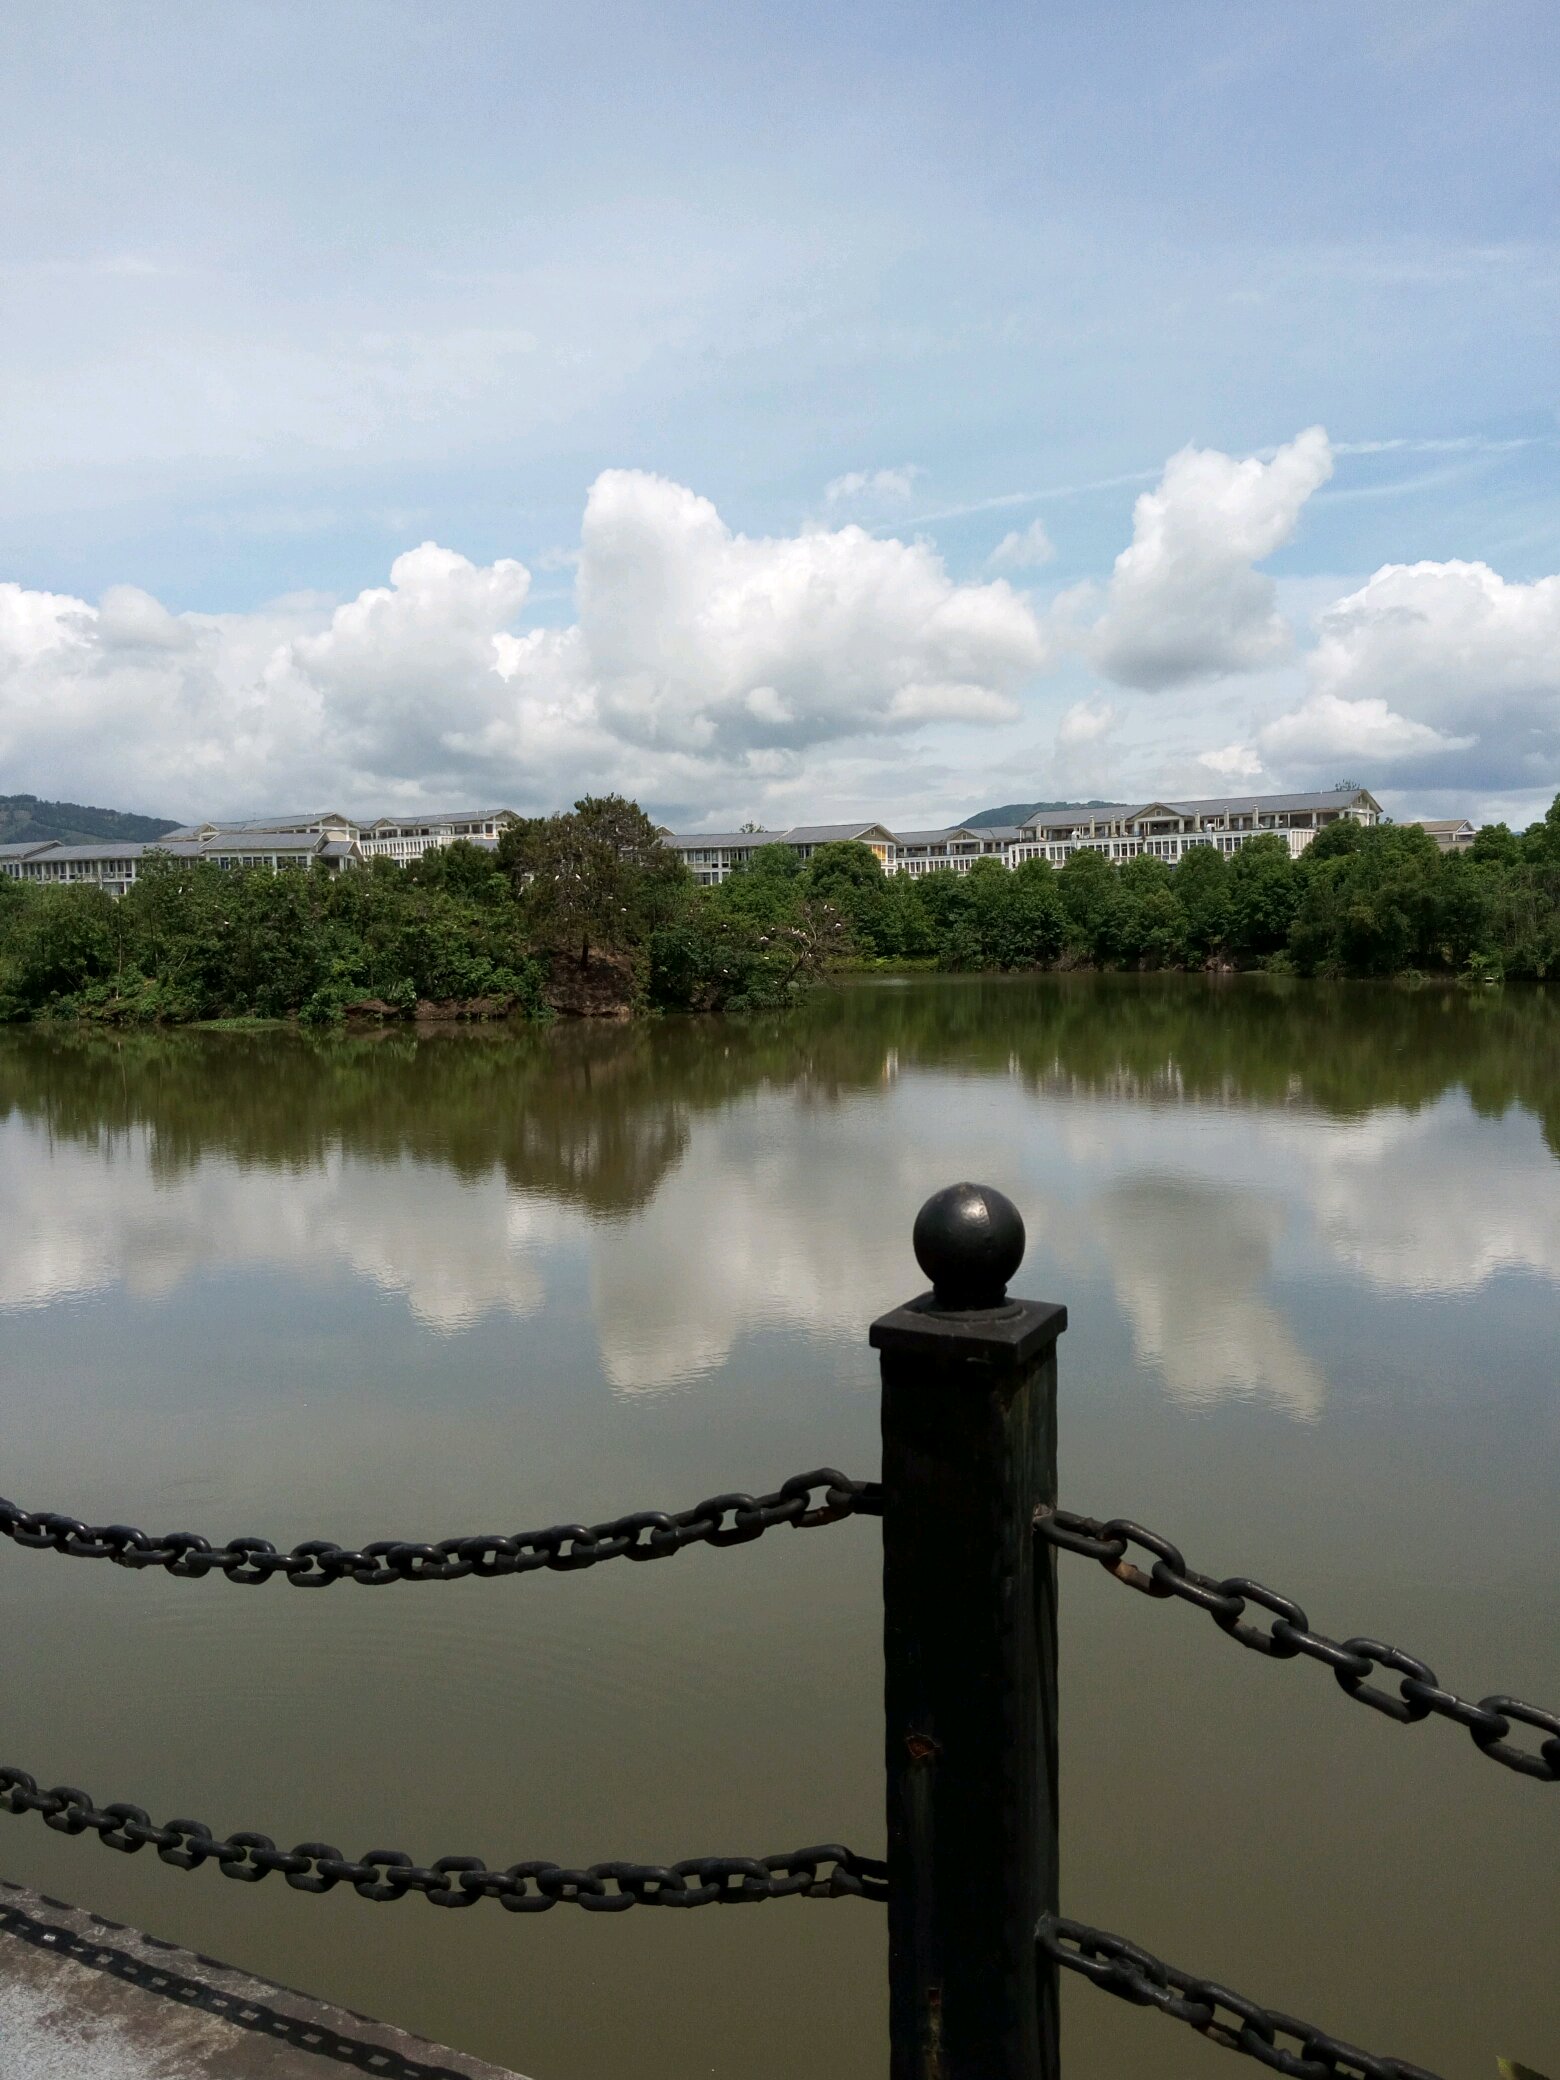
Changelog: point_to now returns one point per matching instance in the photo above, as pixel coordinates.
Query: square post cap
(969, 1240)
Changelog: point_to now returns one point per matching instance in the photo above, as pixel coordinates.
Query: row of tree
(1382, 901)
(583, 912)
(589, 912)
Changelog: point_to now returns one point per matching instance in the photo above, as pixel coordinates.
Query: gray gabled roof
(107, 848)
(125, 848)
(276, 821)
(833, 833)
(1208, 805)
(725, 840)
(430, 816)
(1272, 804)
(936, 837)
(1076, 819)
(262, 840)
(25, 849)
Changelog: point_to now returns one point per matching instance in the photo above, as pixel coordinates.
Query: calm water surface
(1310, 1242)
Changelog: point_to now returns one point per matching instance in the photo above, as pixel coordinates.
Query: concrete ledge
(83, 1999)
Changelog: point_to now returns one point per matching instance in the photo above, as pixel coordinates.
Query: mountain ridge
(26, 819)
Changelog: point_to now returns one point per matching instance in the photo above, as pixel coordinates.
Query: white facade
(320, 823)
(1160, 830)
(1169, 830)
(406, 838)
(115, 865)
(276, 843)
(711, 856)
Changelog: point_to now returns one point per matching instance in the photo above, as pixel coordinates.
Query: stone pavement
(84, 1999)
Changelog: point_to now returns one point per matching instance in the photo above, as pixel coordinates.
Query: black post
(969, 1621)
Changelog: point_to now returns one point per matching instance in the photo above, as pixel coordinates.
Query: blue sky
(286, 292)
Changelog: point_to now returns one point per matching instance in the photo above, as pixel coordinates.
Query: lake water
(411, 1286)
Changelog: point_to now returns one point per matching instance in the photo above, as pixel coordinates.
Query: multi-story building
(710, 856)
(323, 823)
(954, 850)
(408, 837)
(313, 837)
(1119, 830)
(1168, 830)
(115, 865)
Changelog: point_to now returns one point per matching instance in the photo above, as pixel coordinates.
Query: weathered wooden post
(969, 1452)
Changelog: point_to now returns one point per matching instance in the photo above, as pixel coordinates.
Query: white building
(322, 823)
(1121, 831)
(408, 837)
(300, 839)
(1169, 830)
(115, 865)
(710, 856)
(954, 850)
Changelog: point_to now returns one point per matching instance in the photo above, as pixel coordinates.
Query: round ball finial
(969, 1240)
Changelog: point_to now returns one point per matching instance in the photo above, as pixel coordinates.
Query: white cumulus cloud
(701, 661)
(1326, 729)
(1426, 660)
(1233, 762)
(1184, 601)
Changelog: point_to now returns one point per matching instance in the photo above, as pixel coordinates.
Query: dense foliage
(1359, 902)
(588, 911)
(584, 911)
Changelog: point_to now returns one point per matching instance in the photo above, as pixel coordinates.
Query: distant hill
(1015, 812)
(25, 820)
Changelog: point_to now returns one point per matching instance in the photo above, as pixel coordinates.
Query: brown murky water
(1310, 1242)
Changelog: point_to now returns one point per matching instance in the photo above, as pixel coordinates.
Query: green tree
(595, 880)
(1091, 897)
(1202, 882)
(1149, 926)
(1263, 896)
(848, 876)
(58, 942)
(1372, 910)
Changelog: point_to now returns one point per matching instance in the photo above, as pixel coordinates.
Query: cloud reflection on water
(719, 1184)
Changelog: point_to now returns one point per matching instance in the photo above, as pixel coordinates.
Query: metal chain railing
(722, 1520)
(825, 1872)
(1121, 1968)
(1419, 1695)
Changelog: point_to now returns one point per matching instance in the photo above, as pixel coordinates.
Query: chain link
(1419, 1694)
(1230, 2019)
(722, 1520)
(826, 1872)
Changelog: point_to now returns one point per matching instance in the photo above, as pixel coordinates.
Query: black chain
(723, 1520)
(1227, 2018)
(826, 1872)
(1419, 1693)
